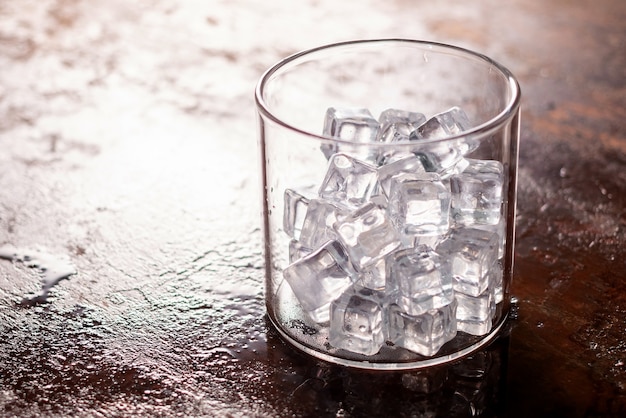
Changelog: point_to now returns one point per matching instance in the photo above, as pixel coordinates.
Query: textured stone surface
(128, 151)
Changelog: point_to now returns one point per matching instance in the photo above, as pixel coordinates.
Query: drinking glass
(293, 98)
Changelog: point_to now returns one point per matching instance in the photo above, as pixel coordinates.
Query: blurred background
(129, 190)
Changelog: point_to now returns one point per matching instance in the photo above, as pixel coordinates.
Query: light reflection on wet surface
(128, 150)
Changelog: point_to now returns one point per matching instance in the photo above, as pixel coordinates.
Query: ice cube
(429, 240)
(424, 334)
(317, 227)
(318, 279)
(495, 282)
(348, 180)
(396, 125)
(475, 308)
(348, 124)
(297, 250)
(357, 321)
(408, 164)
(500, 230)
(470, 254)
(457, 168)
(440, 156)
(379, 200)
(367, 235)
(419, 204)
(374, 276)
(417, 280)
(474, 313)
(477, 193)
(449, 123)
(295, 211)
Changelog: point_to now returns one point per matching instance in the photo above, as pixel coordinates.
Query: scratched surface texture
(130, 246)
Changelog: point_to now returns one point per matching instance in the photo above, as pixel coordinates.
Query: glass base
(391, 358)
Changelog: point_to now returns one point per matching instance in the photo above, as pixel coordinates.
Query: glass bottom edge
(393, 366)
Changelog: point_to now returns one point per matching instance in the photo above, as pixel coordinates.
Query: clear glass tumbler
(389, 173)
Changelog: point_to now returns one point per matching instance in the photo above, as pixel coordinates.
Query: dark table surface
(128, 168)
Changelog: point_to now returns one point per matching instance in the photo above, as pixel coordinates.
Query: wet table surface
(130, 245)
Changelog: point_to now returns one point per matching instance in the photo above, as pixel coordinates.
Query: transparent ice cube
(495, 282)
(498, 229)
(470, 253)
(419, 204)
(474, 314)
(477, 193)
(374, 276)
(475, 308)
(348, 124)
(297, 250)
(294, 213)
(367, 235)
(396, 125)
(417, 280)
(424, 334)
(429, 240)
(407, 164)
(440, 156)
(379, 200)
(317, 227)
(357, 321)
(348, 180)
(442, 125)
(457, 168)
(318, 279)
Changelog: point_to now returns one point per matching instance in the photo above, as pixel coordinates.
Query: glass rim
(485, 128)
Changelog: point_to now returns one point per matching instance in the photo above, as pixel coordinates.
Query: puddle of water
(51, 269)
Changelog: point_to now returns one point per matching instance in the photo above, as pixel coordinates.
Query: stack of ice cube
(401, 245)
